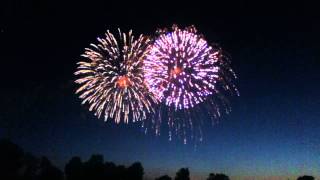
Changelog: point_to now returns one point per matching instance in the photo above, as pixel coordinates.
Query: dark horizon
(272, 129)
(18, 164)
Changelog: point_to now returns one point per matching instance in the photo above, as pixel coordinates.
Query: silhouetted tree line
(95, 168)
(305, 178)
(15, 164)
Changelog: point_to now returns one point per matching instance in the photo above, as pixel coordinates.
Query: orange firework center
(123, 81)
(176, 71)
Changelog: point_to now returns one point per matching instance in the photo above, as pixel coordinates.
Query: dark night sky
(273, 129)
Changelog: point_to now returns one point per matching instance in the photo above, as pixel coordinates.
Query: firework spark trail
(112, 82)
(182, 70)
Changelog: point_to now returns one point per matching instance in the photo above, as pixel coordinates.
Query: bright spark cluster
(181, 69)
(191, 78)
(111, 78)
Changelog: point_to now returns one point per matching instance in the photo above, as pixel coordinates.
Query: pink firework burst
(183, 71)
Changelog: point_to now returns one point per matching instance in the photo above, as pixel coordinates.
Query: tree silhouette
(15, 163)
(305, 178)
(165, 177)
(31, 166)
(120, 173)
(110, 170)
(213, 176)
(74, 169)
(94, 168)
(182, 174)
(48, 171)
(135, 171)
(11, 160)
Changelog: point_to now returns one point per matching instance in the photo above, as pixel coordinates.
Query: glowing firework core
(123, 82)
(175, 71)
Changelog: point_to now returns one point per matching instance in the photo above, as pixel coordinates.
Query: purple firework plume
(182, 70)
